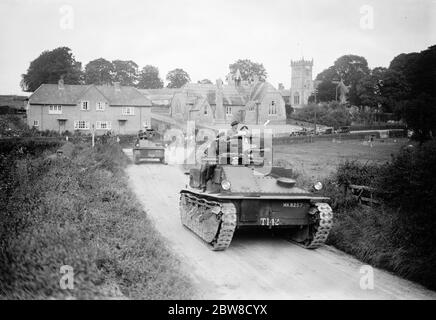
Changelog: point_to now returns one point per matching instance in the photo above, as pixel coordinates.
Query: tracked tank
(234, 188)
(145, 147)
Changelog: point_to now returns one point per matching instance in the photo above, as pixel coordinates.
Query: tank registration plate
(293, 204)
(269, 221)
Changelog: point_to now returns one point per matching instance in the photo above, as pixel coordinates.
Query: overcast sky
(203, 37)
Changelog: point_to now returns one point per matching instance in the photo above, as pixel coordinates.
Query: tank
(146, 147)
(228, 192)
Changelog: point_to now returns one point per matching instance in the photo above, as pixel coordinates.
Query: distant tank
(227, 193)
(146, 148)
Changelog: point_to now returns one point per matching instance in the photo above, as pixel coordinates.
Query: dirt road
(257, 267)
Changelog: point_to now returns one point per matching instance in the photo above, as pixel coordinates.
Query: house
(63, 107)
(249, 102)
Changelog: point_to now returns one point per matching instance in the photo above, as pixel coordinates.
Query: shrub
(28, 146)
(79, 211)
(399, 234)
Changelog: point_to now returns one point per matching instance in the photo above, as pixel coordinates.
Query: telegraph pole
(315, 91)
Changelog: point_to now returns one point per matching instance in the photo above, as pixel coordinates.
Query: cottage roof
(71, 95)
(159, 94)
(232, 95)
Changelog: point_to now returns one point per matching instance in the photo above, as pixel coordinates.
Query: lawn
(319, 159)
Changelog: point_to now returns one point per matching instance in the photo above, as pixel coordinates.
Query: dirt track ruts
(256, 267)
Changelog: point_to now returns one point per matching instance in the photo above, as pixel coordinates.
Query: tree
(125, 72)
(349, 68)
(248, 69)
(418, 106)
(99, 72)
(149, 78)
(369, 88)
(326, 92)
(177, 78)
(205, 81)
(50, 66)
(420, 115)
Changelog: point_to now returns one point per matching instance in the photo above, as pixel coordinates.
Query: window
(272, 108)
(104, 125)
(84, 105)
(100, 106)
(296, 98)
(128, 111)
(36, 123)
(54, 109)
(81, 125)
(228, 110)
(251, 107)
(205, 110)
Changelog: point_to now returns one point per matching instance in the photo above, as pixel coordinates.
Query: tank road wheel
(212, 221)
(320, 223)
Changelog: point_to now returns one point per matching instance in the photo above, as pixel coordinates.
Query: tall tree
(50, 66)
(419, 109)
(351, 69)
(149, 78)
(420, 115)
(248, 69)
(177, 78)
(99, 72)
(125, 72)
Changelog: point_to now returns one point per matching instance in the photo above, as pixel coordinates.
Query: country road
(256, 266)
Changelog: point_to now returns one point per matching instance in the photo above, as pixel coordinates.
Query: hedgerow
(398, 234)
(79, 211)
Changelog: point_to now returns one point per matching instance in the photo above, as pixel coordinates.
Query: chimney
(219, 107)
(219, 84)
(61, 83)
(117, 86)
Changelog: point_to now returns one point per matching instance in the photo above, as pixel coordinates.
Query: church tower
(301, 82)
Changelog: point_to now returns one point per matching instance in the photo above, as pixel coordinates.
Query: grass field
(319, 159)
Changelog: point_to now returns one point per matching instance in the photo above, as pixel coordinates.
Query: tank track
(212, 221)
(322, 221)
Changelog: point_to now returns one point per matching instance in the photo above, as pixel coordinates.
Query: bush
(332, 114)
(29, 146)
(399, 234)
(79, 211)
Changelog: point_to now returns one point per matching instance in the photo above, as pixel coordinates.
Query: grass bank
(397, 235)
(77, 210)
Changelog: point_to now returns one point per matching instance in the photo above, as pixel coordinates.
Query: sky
(203, 37)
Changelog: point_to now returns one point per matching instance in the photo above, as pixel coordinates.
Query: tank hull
(307, 219)
(149, 154)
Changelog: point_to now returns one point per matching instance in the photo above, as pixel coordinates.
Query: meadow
(319, 159)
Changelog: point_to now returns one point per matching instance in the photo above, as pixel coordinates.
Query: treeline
(52, 65)
(406, 88)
